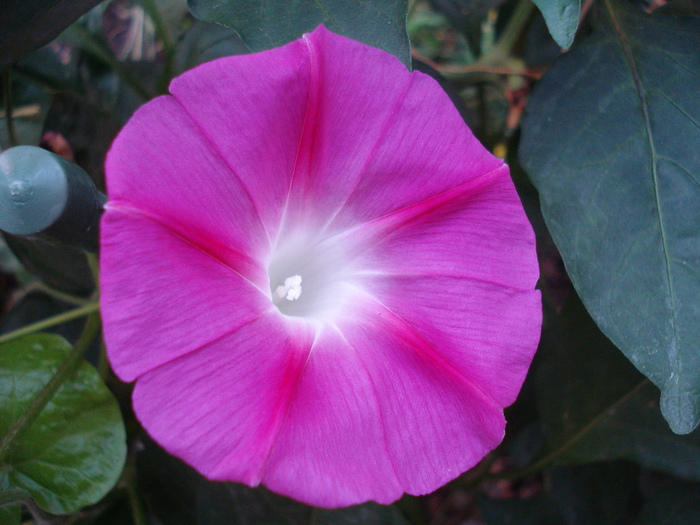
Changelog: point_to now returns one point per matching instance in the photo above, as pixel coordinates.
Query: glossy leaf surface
(595, 406)
(675, 503)
(28, 24)
(264, 25)
(10, 514)
(611, 144)
(562, 19)
(74, 451)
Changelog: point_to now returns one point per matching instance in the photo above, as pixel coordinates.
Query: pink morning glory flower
(318, 278)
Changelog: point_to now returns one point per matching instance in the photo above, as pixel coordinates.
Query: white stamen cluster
(291, 289)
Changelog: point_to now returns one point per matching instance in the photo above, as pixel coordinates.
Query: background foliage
(606, 164)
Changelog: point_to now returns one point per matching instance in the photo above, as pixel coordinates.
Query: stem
(152, 10)
(64, 371)
(88, 309)
(38, 286)
(511, 33)
(137, 511)
(7, 95)
(130, 484)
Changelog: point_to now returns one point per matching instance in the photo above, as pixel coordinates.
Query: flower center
(306, 278)
(290, 290)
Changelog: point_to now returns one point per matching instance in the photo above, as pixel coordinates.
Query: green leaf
(234, 504)
(597, 493)
(562, 19)
(264, 25)
(595, 406)
(203, 42)
(10, 515)
(74, 451)
(611, 143)
(674, 504)
(28, 24)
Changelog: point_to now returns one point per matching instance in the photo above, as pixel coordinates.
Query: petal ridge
(131, 209)
(364, 233)
(373, 273)
(382, 423)
(292, 397)
(434, 356)
(394, 111)
(306, 135)
(223, 157)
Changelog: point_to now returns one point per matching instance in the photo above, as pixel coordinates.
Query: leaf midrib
(639, 89)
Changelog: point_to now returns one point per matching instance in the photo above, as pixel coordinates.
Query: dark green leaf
(28, 24)
(234, 504)
(597, 493)
(10, 515)
(562, 19)
(74, 451)
(677, 503)
(537, 510)
(611, 143)
(264, 25)
(366, 514)
(204, 42)
(595, 406)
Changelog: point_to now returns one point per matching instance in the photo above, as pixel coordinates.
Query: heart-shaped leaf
(611, 143)
(595, 406)
(74, 451)
(264, 25)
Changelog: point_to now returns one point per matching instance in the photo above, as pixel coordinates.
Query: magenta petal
(373, 417)
(156, 288)
(396, 160)
(332, 449)
(178, 177)
(221, 408)
(488, 331)
(345, 123)
(481, 234)
(252, 108)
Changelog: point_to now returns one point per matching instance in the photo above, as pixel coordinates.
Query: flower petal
(378, 413)
(331, 450)
(480, 233)
(346, 121)
(177, 177)
(220, 408)
(488, 332)
(252, 108)
(366, 161)
(162, 297)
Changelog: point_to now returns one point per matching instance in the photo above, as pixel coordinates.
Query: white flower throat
(307, 277)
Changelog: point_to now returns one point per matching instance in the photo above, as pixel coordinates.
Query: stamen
(291, 290)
